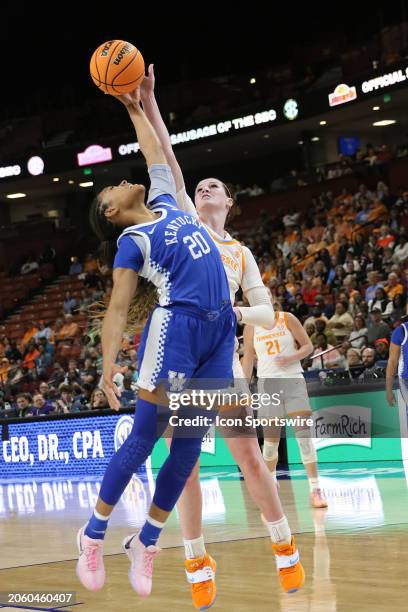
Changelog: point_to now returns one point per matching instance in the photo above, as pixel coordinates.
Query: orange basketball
(117, 67)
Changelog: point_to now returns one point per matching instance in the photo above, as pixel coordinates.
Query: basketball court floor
(355, 553)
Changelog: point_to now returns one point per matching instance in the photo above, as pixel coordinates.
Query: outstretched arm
(148, 140)
(153, 114)
(114, 323)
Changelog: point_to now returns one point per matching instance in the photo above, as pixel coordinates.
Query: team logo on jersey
(122, 430)
(177, 380)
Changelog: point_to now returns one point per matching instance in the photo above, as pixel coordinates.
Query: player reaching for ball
(190, 333)
(213, 203)
(279, 352)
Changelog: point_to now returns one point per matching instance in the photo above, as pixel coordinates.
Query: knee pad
(133, 452)
(306, 446)
(270, 450)
(183, 460)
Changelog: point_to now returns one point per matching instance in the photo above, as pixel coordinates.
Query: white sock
(273, 474)
(314, 483)
(194, 548)
(280, 531)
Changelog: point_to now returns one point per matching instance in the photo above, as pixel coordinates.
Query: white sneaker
(141, 564)
(90, 569)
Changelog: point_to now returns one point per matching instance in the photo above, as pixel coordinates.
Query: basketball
(117, 67)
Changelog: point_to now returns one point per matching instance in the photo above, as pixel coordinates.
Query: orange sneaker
(317, 500)
(290, 570)
(200, 574)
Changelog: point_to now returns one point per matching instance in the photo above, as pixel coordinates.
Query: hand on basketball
(131, 100)
(391, 398)
(147, 85)
(112, 391)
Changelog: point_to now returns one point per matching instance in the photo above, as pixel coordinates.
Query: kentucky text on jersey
(173, 227)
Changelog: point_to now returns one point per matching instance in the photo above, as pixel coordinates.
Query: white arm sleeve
(260, 311)
(185, 203)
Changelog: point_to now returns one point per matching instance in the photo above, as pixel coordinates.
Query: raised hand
(147, 85)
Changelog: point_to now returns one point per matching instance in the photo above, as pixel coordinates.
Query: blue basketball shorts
(182, 345)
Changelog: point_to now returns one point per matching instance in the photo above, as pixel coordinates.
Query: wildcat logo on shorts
(177, 380)
(122, 430)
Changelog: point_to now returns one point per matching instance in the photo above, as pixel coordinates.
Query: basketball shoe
(290, 570)
(200, 574)
(90, 569)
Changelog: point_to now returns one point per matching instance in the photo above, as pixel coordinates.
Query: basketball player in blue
(398, 362)
(189, 335)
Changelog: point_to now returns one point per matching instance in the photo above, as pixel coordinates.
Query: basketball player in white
(212, 205)
(279, 352)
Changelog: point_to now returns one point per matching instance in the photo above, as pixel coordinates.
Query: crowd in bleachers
(341, 267)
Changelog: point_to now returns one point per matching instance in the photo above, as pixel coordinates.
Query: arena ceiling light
(71, 182)
(252, 81)
(323, 122)
(315, 139)
(376, 108)
(384, 122)
(55, 179)
(86, 184)
(15, 196)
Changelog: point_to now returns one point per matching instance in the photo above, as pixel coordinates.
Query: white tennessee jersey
(239, 263)
(269, 344)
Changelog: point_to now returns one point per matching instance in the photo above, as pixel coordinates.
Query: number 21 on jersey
(273, 347)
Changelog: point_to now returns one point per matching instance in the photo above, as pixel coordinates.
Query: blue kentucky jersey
(175, 253)
(400, 337)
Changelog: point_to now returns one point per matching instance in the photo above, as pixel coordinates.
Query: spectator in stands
(321, 328)
(400, 254)
(353, 357)
(128, 397)
(393, 287)
(83, 400)
(317, 313)
(73, 375)
(43, 361)
(88, 369)
(341, 322)
(98, 400)
(23, 401)
(58, 374)
(44, 389)
(358, 337)
(381, 303)
(378, 327)
(69, 303)
(374, 284)
(65, 401)
(5, 368)
(385, 238)
(371, 371)
(18, 374)
(44, 331)
(382, 347)
(299, 308)
(399, 309)
(69, 330)
(331, 359)
(76, 267)
(40, 407)
(29, 333)
(30, 355)
(31, 265)
(48, 347)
